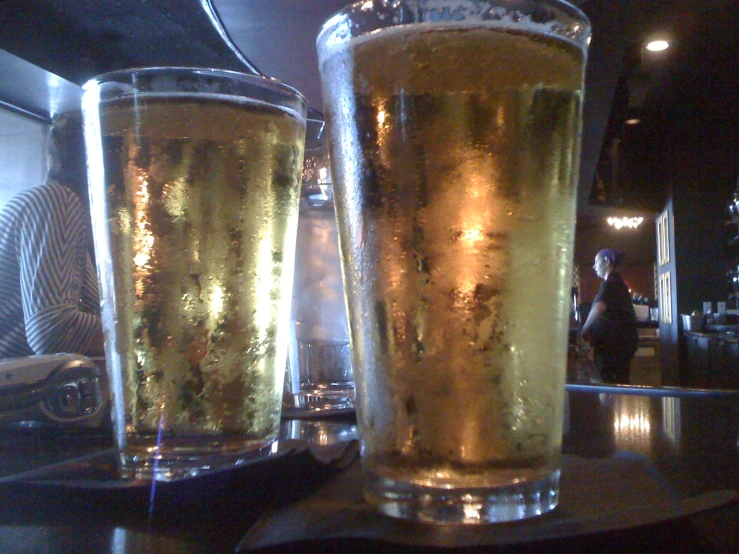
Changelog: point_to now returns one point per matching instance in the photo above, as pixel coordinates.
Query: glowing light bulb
(657, 45)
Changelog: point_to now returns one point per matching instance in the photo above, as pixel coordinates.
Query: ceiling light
(633, 121)
(657, 45)
(621, 222)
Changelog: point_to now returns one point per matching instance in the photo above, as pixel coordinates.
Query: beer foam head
(364, 20)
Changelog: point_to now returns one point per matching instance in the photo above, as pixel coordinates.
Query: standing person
(611, 323)
(48, 285)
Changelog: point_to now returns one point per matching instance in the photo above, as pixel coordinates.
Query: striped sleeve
(53, 254)
(89, 297)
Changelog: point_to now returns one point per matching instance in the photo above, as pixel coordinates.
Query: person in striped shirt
(48, 284)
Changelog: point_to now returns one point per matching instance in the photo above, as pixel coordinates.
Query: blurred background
(660, 138)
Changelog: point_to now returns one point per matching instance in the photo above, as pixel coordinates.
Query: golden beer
(455, 153)
(201, 199)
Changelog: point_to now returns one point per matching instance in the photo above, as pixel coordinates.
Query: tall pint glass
(454, 133)
(194, 180)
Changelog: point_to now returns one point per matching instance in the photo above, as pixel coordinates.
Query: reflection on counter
(632, 427)
(671, 419)
(642, 424)
(318, 432)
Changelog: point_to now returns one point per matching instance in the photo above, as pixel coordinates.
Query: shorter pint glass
(194, 177)
(454, 133)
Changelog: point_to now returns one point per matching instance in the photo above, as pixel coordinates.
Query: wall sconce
(621, 222)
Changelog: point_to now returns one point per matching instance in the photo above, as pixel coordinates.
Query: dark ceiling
(698, 76)
(77, 39)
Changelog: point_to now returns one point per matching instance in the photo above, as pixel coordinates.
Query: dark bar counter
(712, 358)
(59, 491)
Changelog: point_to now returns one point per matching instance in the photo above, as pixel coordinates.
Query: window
(22, 154)
(665, 298)
(663, 238)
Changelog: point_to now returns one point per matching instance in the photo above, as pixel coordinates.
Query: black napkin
(596, 495)
(88, 496)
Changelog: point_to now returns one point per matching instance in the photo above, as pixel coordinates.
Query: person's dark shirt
(615, 294)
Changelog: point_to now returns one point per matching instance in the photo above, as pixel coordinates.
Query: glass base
(142, 459)
(324, 362)
(330, 397)
(321, 378)
(441, 505)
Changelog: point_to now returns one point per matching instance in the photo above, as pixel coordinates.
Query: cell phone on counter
(59, 390)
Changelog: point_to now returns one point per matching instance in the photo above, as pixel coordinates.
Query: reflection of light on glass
(322, 437)
(323, 175)
(146, 242)
(633, 121)
(140, 259)
(500, 116)
(174, 197)
(309, 166)
(472, 237)
(350, 433)
(118, 544)
(293, 428)
(143, 239)
(100, 215)
(125, 222)
(472, 510)
(156, 454)
(216, 302)
(671, 419)
(264, 276)
(478, 212)
(385, 122)
(263, 285)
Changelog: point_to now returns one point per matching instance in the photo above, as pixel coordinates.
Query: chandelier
(628, 222)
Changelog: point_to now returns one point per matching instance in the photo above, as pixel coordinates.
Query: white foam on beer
(213, 97)
(339, 36)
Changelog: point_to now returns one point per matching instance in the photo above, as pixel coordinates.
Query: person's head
(65, 152)
(606, 261)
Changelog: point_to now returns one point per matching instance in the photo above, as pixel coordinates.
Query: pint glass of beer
(194, 177)
(454, 133)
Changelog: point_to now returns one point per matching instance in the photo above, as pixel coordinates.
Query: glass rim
(338, 23)
(270, 83)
